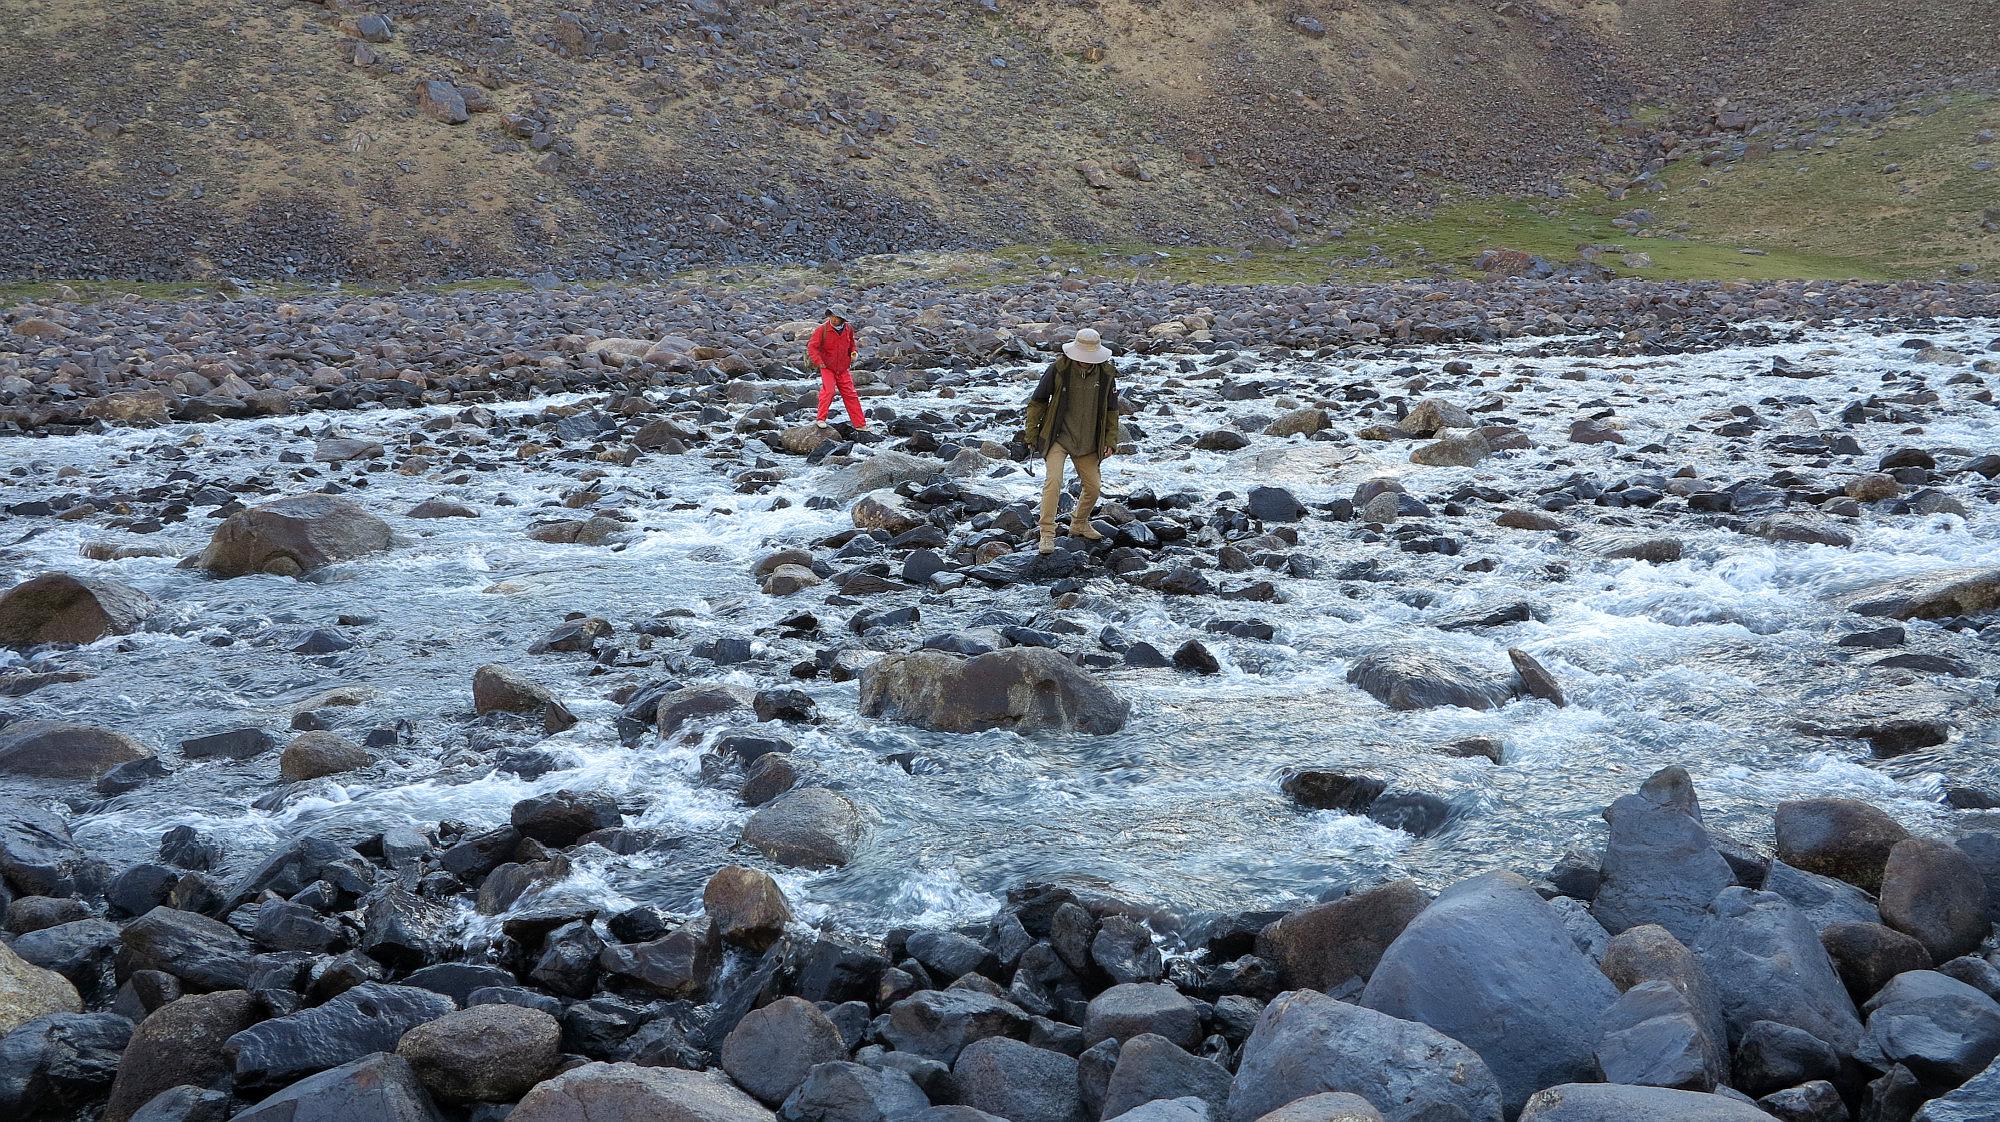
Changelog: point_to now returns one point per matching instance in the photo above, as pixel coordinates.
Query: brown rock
(59, 608)
(746, 906)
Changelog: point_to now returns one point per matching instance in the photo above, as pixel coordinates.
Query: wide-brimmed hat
(839, 311)
(1088, 348)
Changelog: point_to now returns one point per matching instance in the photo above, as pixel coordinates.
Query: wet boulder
(180, 1042)
(562, 818)
(28, 991)
(186, 1103)
(1419, 678)
(59, 608)
(63, 750)
(1306, 1044)
(1336, 945)
(378, 1087)
(746, 906)
(1465, 450)
(198, 950)
(811, 827)
(1941, 1029)
(1432, 416)
(38, 855)
(771, 1050)
(292, 537)
(1771, 1057)
(314, 755)
(370, 1017)
(1936, 595)
(684, 707)
(1835, 837)
(488, 1053)
(880, 471)
(938, 1024)
(54, 1066)
(496, 689)
(1660, 866)
(1152, 1068)
(1017, 1081)
(1490, 964)
(1933, 892)
(1610, 1102)
(79, 950)
(1767, 963)
(604, 1092)
(1030, 689)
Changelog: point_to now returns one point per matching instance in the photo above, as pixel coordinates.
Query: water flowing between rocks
(1713, 660)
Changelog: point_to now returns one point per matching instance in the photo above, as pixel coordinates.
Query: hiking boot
(1048, 545)
(1085, 531)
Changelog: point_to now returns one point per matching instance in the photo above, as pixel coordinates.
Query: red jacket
(831, 350)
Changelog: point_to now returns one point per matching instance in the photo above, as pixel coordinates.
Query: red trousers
(841, 381)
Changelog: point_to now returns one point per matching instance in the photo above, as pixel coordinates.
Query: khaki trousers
(1052, 487)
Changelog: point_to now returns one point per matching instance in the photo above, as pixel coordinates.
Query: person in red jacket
(832, 350)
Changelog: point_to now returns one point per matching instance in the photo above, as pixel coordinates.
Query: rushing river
(1710, 661)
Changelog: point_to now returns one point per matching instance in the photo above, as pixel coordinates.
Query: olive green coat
(1047, 404)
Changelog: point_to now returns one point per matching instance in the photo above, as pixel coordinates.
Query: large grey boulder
(1933, 892)
(1029, 689)
(1491, 965)
(811, 827)
(840, 1091)
(1151, 1068)
(59, 608)
(1940, 1028)
(1768, 965)
(1017, 1081)
(1332, 945)
(938, 1024)
(691, 704)
(1660, 866)
(370, 1017)
(64, 750)
(292, 537)
(28, 991)
(1609, 1102)
(1654, 1036)
(1185, 1109)
(771, 1049)
(180, 1042)
(1825, 901)
(884, 469)
(378, 1087)
(1135, 1008)
(488, 1053)
(629, 1093)
(1420, 678)
(1306, 1044)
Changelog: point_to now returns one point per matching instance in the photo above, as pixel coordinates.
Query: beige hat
(1088, 348)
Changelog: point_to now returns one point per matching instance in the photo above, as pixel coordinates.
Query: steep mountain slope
(432, 138)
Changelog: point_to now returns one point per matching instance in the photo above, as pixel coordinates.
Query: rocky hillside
(407, 139)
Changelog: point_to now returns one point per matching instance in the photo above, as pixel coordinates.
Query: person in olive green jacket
(1073, 415)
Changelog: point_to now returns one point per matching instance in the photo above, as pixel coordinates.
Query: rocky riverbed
(464, 744)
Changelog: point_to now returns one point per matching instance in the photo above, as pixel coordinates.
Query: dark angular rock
(378, 1087)
(1933, 892)
(1659, 865)
(938, 1024)
(1771, 1057)
(193, 948)
(1152, 1067)
(1017, 1081)
(53, 1066)
(1767, 964)
(838, 1091)
(370, 1017)
(181, 1042)
(1332, 946)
